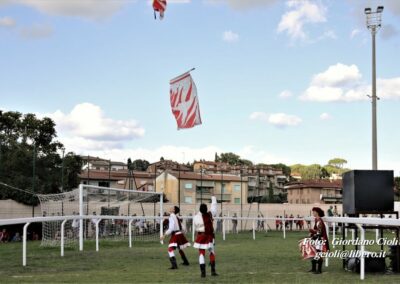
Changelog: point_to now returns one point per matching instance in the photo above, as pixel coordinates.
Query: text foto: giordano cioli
(356, 242)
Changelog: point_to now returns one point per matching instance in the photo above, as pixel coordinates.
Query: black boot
(185, 261)
(213, 272)
(173, 263)
(313, 266)
(203, 270)
(319, 268)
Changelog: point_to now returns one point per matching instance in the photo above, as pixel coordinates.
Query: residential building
(194, 187)
(315, 192)
(121, 179)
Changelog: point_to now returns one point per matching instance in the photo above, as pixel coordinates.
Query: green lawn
(268, 259)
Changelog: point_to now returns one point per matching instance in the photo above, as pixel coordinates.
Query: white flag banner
(184, 101)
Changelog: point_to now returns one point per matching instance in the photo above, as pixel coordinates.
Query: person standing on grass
(203, 225)
(319, 236)
(177, 240)
(234, 223)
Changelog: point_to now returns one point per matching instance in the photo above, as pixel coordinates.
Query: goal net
(98, 201)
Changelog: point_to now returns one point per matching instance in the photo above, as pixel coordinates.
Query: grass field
(268, 259)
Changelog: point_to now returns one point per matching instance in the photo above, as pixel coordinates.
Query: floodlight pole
(373, 24)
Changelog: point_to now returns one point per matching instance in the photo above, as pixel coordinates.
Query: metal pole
(201, 184)
(222, 188)
(130, 232)
(179, 185)
(161, 215)
(24, 235)
(62, 236)
(81, 214)
(62, 170)
(33, 175)
(374, 98)
(241, 200)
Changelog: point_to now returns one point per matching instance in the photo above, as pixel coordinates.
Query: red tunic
(205, 240)
(319, 232)
(178, 239)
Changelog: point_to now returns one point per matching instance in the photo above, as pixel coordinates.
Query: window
(297, 201)
(188, 199)
(188, 186)
(237, 200)
(236, 187)
(223, 188)
(104, 183)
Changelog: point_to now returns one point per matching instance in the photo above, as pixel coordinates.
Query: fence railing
(333, 221)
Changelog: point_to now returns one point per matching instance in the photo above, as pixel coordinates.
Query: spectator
(277, 223)
(291, 222)
(16, 238)
(219, 224)
(330, 211)
(4, 236)
(189, 223)
(234, 223)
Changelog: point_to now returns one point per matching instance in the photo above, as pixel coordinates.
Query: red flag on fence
(159, 6)
(184, 102)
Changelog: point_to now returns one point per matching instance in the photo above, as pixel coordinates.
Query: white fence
(359, 222)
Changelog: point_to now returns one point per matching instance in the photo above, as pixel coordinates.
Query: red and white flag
(184, 102)
(159, 6)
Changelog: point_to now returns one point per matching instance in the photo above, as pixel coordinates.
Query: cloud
(86, 126)
(285, 94)
(325, 116)
(342, 82)
(7, 22)
(337, 75)
(388, 31)
(37, 31)
(89, 9)
(354, 33)
(230, 36)
(299, 14)
(257, 155)
(280, 120)
(242, 4)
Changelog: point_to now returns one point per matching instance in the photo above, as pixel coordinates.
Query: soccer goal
(111, 208)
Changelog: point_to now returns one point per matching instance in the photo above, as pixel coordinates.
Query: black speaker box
(372, 264)
(368, 191)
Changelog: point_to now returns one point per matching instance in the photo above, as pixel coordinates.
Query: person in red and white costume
(318, 234)
(177, 240)
(203, 225)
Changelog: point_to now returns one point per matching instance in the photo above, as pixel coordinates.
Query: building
(119, 179)
(96, 163)
(164, 165)
(197, 187)
(315, 191)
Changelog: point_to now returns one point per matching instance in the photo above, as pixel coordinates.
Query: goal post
(128, 212)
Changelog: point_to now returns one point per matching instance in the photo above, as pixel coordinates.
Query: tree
(245, 162)
(140, 165)
(285, 169)
(216, 157)
(24, 139)
(230, 158)
(311, 172)
(337, 163)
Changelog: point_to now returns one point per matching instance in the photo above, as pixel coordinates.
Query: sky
(277, 81)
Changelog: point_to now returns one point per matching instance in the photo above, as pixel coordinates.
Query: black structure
(368, 191)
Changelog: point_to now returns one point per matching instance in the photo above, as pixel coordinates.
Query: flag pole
(173, 79)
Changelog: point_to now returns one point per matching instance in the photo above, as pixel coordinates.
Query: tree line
(31, 159)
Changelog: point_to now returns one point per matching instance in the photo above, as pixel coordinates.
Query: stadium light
(374, 20)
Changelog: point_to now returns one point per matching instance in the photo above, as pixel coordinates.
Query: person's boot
(213, 272)
(203, 270)
(319, 268)
(313, 266)
(185, 261)
(173, 263)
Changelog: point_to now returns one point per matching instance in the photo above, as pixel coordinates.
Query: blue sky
(278, 81)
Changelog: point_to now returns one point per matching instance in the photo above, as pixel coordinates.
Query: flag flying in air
(159, 6)
(184, 102)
